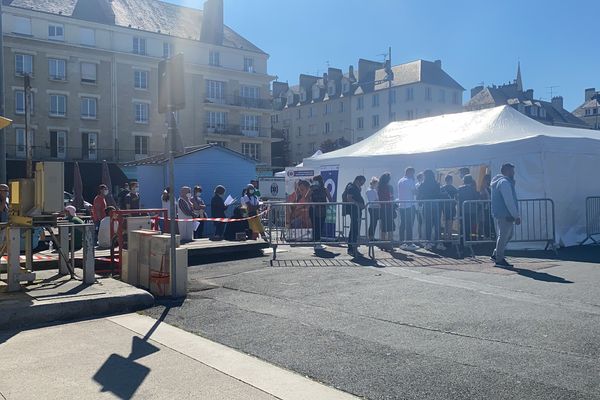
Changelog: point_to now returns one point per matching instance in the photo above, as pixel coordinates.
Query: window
(23, 64)
(360, 103)
(20, 102)
(327, 108)
(299, 113)
(20, 143)
(167, 50)
(89, 145)
(216, 121)
(56, 32)
(217, 143)
(87, 37)
(533, 111)
(140, 79)
(392, 97)
(392, 116)
(248, 64)
(302, 94)
(327, 127)
(275, 118)
(58, 144)
(251, 150)
(587, 111)
(311, 129)
(345, 87)
(139, 45)
(215, 90)
(542, 112)
(312, 147)
(456, 98)
(427, 94)
(88, 107)
(299, 131)
(409, 114)
(21, 25)
(341, 106)
(250, 125)
(360, 123)
(88, 72)
(331, 88)
(57, 69)
(375, 100)
(141, 112)
(410, 94)
(214, 58)
(141, 145)
(375, 121)
(442, 96)
(250, 92)
(595, 111)
(58, 105)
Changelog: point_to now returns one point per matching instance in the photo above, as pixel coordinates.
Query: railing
(239, 101)
(74, 154)
(312, 224)
(592, 219)
(537, 223)
(240, 130)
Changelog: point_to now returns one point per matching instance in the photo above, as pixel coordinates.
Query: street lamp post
(2, 136)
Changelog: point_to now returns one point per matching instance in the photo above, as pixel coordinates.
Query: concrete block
(130, 267)
(160, 283)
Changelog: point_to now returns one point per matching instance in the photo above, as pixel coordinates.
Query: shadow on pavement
(587, 254)
(322, 253)
(540, 276)
(216, 258)
(123, 376)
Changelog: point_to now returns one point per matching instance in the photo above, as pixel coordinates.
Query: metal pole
(172, 132)
(26, 91)
(2, 131)
(390, 86)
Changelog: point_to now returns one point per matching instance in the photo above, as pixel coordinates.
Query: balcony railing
(75, 154)
(239, 130)
(239, 101)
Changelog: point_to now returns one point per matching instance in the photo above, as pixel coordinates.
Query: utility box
(135, 271)
(49, 186)
(22, 196)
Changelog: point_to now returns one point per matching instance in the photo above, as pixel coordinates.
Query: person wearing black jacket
(352, 195)
(430, 190)
(317, 212)
(468, 192)
(217, 208)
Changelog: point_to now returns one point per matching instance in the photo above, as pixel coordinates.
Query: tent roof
(484, 127)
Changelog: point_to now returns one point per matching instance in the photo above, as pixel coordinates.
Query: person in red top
(98, 211)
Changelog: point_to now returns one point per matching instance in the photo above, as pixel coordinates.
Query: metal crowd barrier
(537, 223)
(312, 224)
(592, 219)
(428, 223)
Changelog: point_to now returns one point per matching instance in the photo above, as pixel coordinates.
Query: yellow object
(20, 220)
(4, 122)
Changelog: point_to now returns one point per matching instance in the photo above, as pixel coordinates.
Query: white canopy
(551, 162)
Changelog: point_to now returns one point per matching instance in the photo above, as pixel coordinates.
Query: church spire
(518, 81)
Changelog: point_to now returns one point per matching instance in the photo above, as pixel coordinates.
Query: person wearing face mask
(251, 203)
(185, 210)
(132, 199)
(217, 208)
(98, 210)
(199, 210)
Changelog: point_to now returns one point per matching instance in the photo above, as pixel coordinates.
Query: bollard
(14, 268)
(63, 232)
(89, 273)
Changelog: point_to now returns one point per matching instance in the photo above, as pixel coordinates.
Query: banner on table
(330, 173)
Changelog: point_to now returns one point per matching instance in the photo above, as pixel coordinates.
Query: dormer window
(302, 95)
(534, 111)
(345, 86)
(290, 99)
(331, 88)
(316, 92)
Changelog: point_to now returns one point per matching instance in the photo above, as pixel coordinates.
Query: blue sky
(477, 41)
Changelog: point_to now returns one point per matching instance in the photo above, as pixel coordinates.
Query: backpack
(345, 207)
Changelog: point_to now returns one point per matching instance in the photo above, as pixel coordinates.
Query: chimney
(476, 90)
(438, 63)
(528, 94)
(589, 93)
(212, 22)
(557, 102)
(351, 73)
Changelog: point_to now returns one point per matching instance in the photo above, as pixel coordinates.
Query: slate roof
(417, 71)
(146, 15)
(163, 158)
(580, 111)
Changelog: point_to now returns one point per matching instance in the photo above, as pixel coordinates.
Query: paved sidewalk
(134, 356)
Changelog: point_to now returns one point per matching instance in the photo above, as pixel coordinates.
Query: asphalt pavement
(409, 326)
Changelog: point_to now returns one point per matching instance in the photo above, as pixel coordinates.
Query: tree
(331, 145)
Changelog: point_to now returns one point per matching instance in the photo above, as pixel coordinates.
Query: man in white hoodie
(505, 210)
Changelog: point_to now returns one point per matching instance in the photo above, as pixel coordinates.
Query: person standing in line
(430, 190)
(318, 212)
(4, 202)
(217, 209)
(468, 192)
(487, 221)
(419, 208)
(121, 196)
(104, 239)
(199, 210)
(449, 192)
(373, 207)
(132, 199)
(505, 209)
(71, 216)
(406, 197)
(251, 203)
(385, 193)
(99, 206)
(254, 182)
(353, 195)
(185, 211)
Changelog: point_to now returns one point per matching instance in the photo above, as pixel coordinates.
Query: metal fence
(537, 223)
(592, 219)
(312, 224)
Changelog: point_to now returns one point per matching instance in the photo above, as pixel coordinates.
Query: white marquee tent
(552, 162)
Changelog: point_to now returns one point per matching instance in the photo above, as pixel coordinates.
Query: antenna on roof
(551, 90)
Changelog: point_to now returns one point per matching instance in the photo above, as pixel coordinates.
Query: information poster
(330, 174)
(272, 188)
